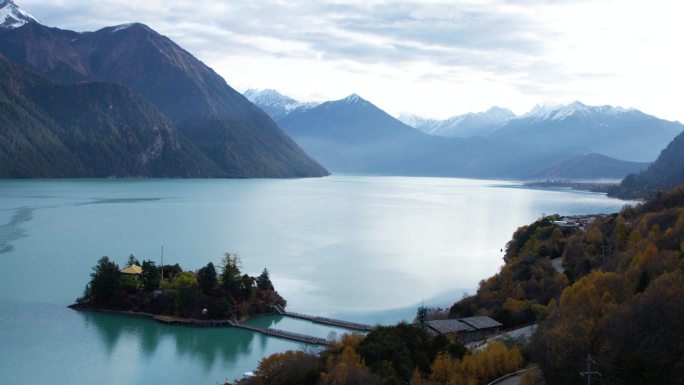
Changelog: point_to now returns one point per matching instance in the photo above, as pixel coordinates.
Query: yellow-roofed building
(132, 270)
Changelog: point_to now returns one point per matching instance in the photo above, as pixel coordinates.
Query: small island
(169, 294)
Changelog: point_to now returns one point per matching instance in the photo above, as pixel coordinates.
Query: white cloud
(434, 58)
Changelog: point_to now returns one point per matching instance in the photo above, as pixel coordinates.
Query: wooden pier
(236, 324)
(284, 334)
(324, 320)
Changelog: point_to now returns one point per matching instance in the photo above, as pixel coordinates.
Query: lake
(363, 248)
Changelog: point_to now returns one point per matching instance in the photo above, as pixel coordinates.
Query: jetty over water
(236, 324)
(324, 320)
(307, 339)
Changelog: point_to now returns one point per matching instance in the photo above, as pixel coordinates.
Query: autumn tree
(348, 368)
(443, 369)
(288, 368)
(185, 291)
(230, 273)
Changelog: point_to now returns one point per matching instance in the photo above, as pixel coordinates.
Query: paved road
(514, 380)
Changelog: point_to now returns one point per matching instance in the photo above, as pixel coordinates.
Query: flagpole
(162, 264)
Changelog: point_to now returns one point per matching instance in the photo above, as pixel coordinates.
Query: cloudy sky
(429, 57)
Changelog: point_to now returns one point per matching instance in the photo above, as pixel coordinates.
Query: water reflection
(204, 344)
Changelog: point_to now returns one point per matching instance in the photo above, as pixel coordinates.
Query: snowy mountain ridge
(276, 104)
(560, 112)
(462, 126)
(11, 16)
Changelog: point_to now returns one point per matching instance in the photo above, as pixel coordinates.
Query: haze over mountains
(626, 134)
(237, 137)
(620, 133)
(571, 142)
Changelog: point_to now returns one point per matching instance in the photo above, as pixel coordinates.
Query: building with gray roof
(467, 329)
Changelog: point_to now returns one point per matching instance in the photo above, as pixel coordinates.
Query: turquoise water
(367, 249)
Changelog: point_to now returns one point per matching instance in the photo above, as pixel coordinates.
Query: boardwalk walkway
(284, 334)
(234, 323)
(324, 320)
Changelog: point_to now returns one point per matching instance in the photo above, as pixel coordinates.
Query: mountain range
(472, 124)
(353, 135)
(626, 134)
(196, 119)
(617, 132)
(238, 138)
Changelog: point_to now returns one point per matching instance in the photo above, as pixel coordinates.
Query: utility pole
(589, 373)
(610, 250)
(162, 263)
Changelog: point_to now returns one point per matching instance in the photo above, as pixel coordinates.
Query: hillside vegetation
(401, 354)
(95, 129)
(619, 298)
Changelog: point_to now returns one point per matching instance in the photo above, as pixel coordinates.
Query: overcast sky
(431, 58)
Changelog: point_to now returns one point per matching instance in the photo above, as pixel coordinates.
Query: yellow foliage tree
(595, 236)
(348, 369)
(443, 369)
(417, 378)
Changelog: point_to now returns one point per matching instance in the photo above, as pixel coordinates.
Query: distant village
(577, 221)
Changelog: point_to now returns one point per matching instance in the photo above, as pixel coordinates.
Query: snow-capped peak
(276, 104)
(11, 16)
(560, 112)
(267, 96)
(270, 97)
(353, 98)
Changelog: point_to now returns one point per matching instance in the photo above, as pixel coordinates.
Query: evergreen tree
(105, 281)
(207, 278)
(421, 316)
(150, 276)
(132, 260)
(263, 281)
